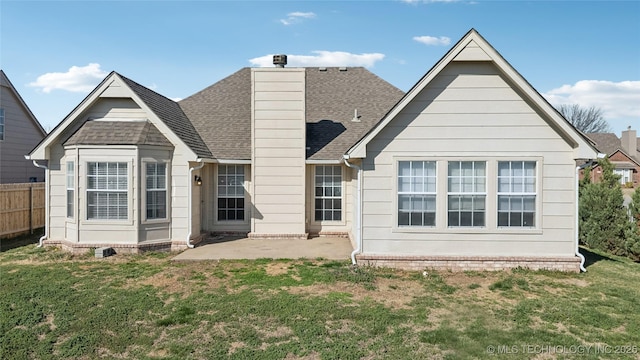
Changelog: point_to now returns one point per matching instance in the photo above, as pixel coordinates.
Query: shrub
(604, 220)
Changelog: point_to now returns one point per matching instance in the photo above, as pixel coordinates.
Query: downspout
(190, 200)
(46, 200)
(582, 259)
(358, 210)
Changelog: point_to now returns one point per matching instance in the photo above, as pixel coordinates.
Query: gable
(473, 54)
(469, 108)
(119, 99)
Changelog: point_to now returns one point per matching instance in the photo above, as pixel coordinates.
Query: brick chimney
(629, 142)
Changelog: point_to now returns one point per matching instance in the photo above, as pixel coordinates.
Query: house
(20, 131)
(471, 169)
(624, 154)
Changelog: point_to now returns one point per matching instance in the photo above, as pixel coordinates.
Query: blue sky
(55, 52)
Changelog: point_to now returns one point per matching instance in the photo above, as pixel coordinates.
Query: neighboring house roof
(4, 81)
(99, 132)
(609, 143)
(172, 115)
(221, 113)
(473, 47)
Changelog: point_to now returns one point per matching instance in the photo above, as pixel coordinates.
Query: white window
(1, 124)
(156, 190)
(625, 175)
(416, 193)
(466, 197)
(230, 192)
(107, 190)
(70, 188)
(328, 193)
(516, 193)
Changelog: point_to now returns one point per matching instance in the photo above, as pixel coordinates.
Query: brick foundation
(252, 235)
(470, 263)
(82, 248)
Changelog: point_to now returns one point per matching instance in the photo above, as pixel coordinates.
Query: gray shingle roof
(172, 115)
(332, 98)
(221, 113)
(118, 133)
(609, 143)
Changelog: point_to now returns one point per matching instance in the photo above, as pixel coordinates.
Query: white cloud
(297, 17)
(618, 100)
(76, 79)
(323, 58)
(432, 40)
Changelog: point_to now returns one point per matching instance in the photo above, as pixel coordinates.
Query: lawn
(55, 306)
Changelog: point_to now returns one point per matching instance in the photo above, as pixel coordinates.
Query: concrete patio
(229, 247)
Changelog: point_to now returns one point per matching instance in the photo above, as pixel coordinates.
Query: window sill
(470, 230)
(155, 221)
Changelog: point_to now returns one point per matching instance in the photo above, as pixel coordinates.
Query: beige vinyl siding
(57, 195)
(278, 147)
(469, 112)
(21, 134)
(116, 109)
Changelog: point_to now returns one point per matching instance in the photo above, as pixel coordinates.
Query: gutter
(190, 200)
(358, 209)
(46, 200)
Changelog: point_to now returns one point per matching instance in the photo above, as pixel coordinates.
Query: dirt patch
(235, 346)
(177, 281)
(339, 326)
(276, 269)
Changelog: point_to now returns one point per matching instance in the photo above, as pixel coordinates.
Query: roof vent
(322, 69)
(343, 69)
(280, 60)
(356, 116)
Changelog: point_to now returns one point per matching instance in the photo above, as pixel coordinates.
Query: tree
(604, 220)
(634, 207)
(587, 120)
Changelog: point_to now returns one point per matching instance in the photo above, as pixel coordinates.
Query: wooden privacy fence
(21, 208)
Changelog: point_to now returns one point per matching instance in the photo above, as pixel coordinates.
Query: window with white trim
(625, 175)
(328, 193)
(516, 193)
(70, 188)
(107, 190)
(466, 193)
(231, 192)
(416, 193)
(156, 190)
(1, 124)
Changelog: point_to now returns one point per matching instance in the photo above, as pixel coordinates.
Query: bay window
(156, 190)
(107, 190)
(70, 188)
